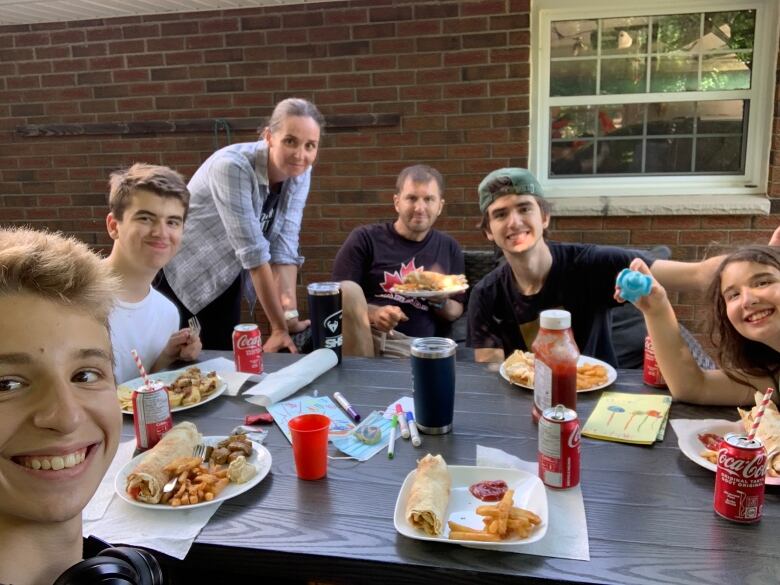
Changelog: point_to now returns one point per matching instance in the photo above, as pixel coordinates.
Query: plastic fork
(198, 451)
(194, 325)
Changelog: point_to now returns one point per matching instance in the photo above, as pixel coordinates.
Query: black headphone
(122, 565)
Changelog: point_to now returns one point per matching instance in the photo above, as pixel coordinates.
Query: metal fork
(194, 325)
(198, 451)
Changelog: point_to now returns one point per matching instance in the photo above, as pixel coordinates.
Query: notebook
(629, 418)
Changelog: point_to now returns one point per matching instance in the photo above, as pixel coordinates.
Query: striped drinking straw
(147, 381)
(757, 421)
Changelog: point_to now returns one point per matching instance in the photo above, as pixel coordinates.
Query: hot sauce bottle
(555, 363)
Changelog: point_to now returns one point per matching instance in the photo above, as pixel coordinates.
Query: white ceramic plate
(426, 294)
(529, 494)
(260, 458)
(167, 378)
(611, 374)
(692, 447)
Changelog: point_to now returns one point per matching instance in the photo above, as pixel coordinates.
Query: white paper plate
(692, 447)
(529, 494)
(260, 458)
(167, 378)
(611, 374)
(426, 294)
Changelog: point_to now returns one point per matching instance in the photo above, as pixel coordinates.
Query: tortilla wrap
(429, 496)
(768, 430)
(149, 475)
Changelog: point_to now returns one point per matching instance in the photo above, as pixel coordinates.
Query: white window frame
(721, 193)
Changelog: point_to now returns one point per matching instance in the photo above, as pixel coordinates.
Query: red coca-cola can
(651, 375)
(740, 479)
(248, 348)
(151, 415)
(559, 447)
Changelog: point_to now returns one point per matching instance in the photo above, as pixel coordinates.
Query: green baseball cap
(507, 182)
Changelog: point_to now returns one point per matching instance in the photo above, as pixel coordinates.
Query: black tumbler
(325, 313)
(433, 380)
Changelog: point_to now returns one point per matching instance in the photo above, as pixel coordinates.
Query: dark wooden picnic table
(649, 509)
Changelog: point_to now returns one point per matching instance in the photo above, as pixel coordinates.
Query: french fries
(197, 481)
(519, 367)
(501, 521)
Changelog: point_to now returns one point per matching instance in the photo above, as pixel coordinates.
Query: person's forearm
(163, 361)
(268, 295)
(488, 355)
(286, 279)
(686, 276)
(450, 311)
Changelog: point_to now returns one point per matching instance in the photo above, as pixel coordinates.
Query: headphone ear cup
(100, 569)
(144, 564)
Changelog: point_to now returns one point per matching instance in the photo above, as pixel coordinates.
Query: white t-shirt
(146, 327)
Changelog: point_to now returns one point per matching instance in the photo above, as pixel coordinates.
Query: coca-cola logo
(332, 322)
(574, 438)
(248, 342)
(747, 468)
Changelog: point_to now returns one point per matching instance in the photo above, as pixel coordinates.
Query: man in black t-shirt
(374, 258)
(503, 312)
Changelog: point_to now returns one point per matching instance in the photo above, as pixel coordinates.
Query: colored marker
(416, 440)
(402, 421)
(344, 403)
(391, 444)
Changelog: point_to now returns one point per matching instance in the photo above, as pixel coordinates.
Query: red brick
(147, 60)
(721, 221)
(130, 75)
(349, 80)
(354, 16)
(140, 31)
(205, 42)
(285, 37)
(465, 25)
(32, 39)
(373, 63)
(419, 61)
(309, 82)
(63, 79)
(390, 13)
(112, 63)
(466, 58)
(25, 82)
(393, 78)
(393, 46)
(215, 25)
(685, 222)
(124, 47)
(465, 90)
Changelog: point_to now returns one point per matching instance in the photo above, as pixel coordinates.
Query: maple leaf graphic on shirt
(393, 278)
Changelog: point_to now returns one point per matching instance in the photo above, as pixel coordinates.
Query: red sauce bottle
(555, 363)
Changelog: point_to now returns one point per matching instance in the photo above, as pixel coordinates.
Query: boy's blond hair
(58, 268)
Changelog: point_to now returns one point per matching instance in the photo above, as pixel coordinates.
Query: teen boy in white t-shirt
(148, 205)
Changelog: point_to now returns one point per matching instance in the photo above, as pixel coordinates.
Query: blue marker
(416, 440)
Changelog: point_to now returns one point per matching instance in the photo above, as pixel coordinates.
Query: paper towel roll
(281, 384)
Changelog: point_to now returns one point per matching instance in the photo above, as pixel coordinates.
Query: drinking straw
(761, 408)
(147, 381)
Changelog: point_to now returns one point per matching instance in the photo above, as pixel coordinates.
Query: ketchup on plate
(555, 363)
(489, 490)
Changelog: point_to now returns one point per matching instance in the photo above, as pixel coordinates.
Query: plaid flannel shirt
(222, 234)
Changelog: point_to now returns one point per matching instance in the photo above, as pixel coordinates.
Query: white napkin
(109, 517)
(227, 371)
(281, 384)
(567, 531)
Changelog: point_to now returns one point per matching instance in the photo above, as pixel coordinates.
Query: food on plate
(239, 471)
(711, 441)
(519, 367)
(227, 450)
(190, 387)
(146, 481)
(500, 521)
(711, 456)
(489, 490)
(429, 496)
(425, 280)
(768, 431)
(197, 482)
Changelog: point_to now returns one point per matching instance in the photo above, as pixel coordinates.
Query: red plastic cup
(310, 445)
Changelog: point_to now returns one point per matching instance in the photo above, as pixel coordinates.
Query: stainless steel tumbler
(433, 378)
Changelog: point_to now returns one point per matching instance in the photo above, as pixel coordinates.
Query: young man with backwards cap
(503, 311)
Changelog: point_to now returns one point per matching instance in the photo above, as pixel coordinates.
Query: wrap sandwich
(145, 483)
(768, 431)
(429, 496)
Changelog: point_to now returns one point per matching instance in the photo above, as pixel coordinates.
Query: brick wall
(456, 71)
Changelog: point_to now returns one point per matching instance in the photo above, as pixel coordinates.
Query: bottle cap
(555, 319)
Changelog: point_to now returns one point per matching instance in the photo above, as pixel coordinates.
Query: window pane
(573, 77)
(619, 156)
(621, 120)
(733, 30)
(721, 117)
(675, 33)
(623, 75)
(573, 38)
(623, 36)
(571, 158)
(668, 155)
(719, 154)
(723, 72)
(675, 73)
(669, 118)
(571, 122)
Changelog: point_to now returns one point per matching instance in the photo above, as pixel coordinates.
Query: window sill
(670, 205)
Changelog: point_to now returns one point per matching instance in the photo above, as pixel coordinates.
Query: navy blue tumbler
(433, 380)
(325, 313)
